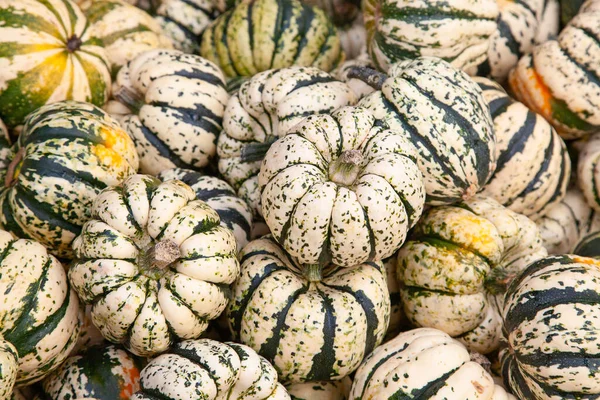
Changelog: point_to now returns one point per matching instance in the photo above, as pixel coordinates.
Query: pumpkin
(422, 364)
(265, 108)
(589, 246)
(47, 55)
(442, 113)
(311, 323)
(101, 372)
(457, 31)
(588, 173)
(339, 188)
(207, 369)
(66, 154)
(153, 247)
(273, 34)
(454, 270)
(533, 165)
(172, 106)
(233, 212)
(39, 314)
(8, 369)
(552, 331)
(558, 80)
(325, 390)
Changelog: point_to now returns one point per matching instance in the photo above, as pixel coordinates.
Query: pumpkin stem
(313, 272)
(345, 169)
(159, 257)
(481, 360)
(130, 98)
(370, 76)
(498, 279)
(12, 170)
(73, 44)
(256, 151)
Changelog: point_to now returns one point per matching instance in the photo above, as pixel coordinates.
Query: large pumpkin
(311, 323)
(154, 262)
(66, 154)
(8, 369)
(339, 188)
(172, 105)
(47, 55)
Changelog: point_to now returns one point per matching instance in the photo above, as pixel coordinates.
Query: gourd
(339, 188)
(207, 369)
(101, 372)
(279, 34)
(454, 270)
(558, 79)
(172, 106)
(533, 166)
(325, 390)
(311, 323)
(552, 331)
(66, 154)
(39, 313)
(589, 246)
(264, 109)
(154, 263)
(47, 55)
(587, 171)
(442, 113)
(233, 212)
(456, 31)
(8, 368)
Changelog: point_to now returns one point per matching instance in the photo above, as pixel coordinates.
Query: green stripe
(12, 18)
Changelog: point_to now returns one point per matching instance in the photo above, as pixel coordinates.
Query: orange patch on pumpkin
(132, 383)
(586, 260)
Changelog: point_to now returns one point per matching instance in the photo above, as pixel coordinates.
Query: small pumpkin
(207, 369)
(588, 173)
(325, 390)
(8, 369)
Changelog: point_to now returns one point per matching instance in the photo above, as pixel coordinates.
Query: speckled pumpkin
(8, 369)
(66, 154)
(588, 171)
(533, 166)
(47, 55)
(172, 105)
(454, 270)
(210, 370)
(442, 113)
(265, 108)
(312, 324)
(339, 188)
(258, 35)
(324, 390)
(154, 262)
(551, 325)
(102, 372)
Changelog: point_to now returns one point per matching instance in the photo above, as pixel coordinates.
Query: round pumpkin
(325, 390)
(172, 105)
(8, 369)
(66, 154)
(154, 262)
(311, 323)
(551, 326)
(47, 55)
(533, 166)
(339, 188)
(589, 246)
(207, 369)
(588, 173)
(276, 34)
(265, 108)
(455, 268)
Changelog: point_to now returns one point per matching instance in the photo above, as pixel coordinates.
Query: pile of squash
(299, 199)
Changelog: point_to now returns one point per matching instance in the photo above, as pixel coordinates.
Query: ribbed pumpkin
(559, 79)
(589, 246)
(312, 324)
(454, 270)
(551, 324)
(172, 105)
(8, 369)
(442, 113)
(47, 55)
(339, 188)
(258, 35)
(325, 390)
(233, 212)
(457, 30)
(533, 165)
(588, 171)
(264, 109)
(102, 373)
(39, 314)
(210, 370)
(154, 262)
(66, 154)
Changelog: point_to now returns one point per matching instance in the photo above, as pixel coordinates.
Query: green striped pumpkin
(551, 325)
(274, 34)
(172, 106)
(8, 368)
(154, 262)
(589, 246)
(265, 108)
(66, 154)
(588, 173)
(533, 166)
(47, 55)
(324, 390)
(209, 370)
(456, 31)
